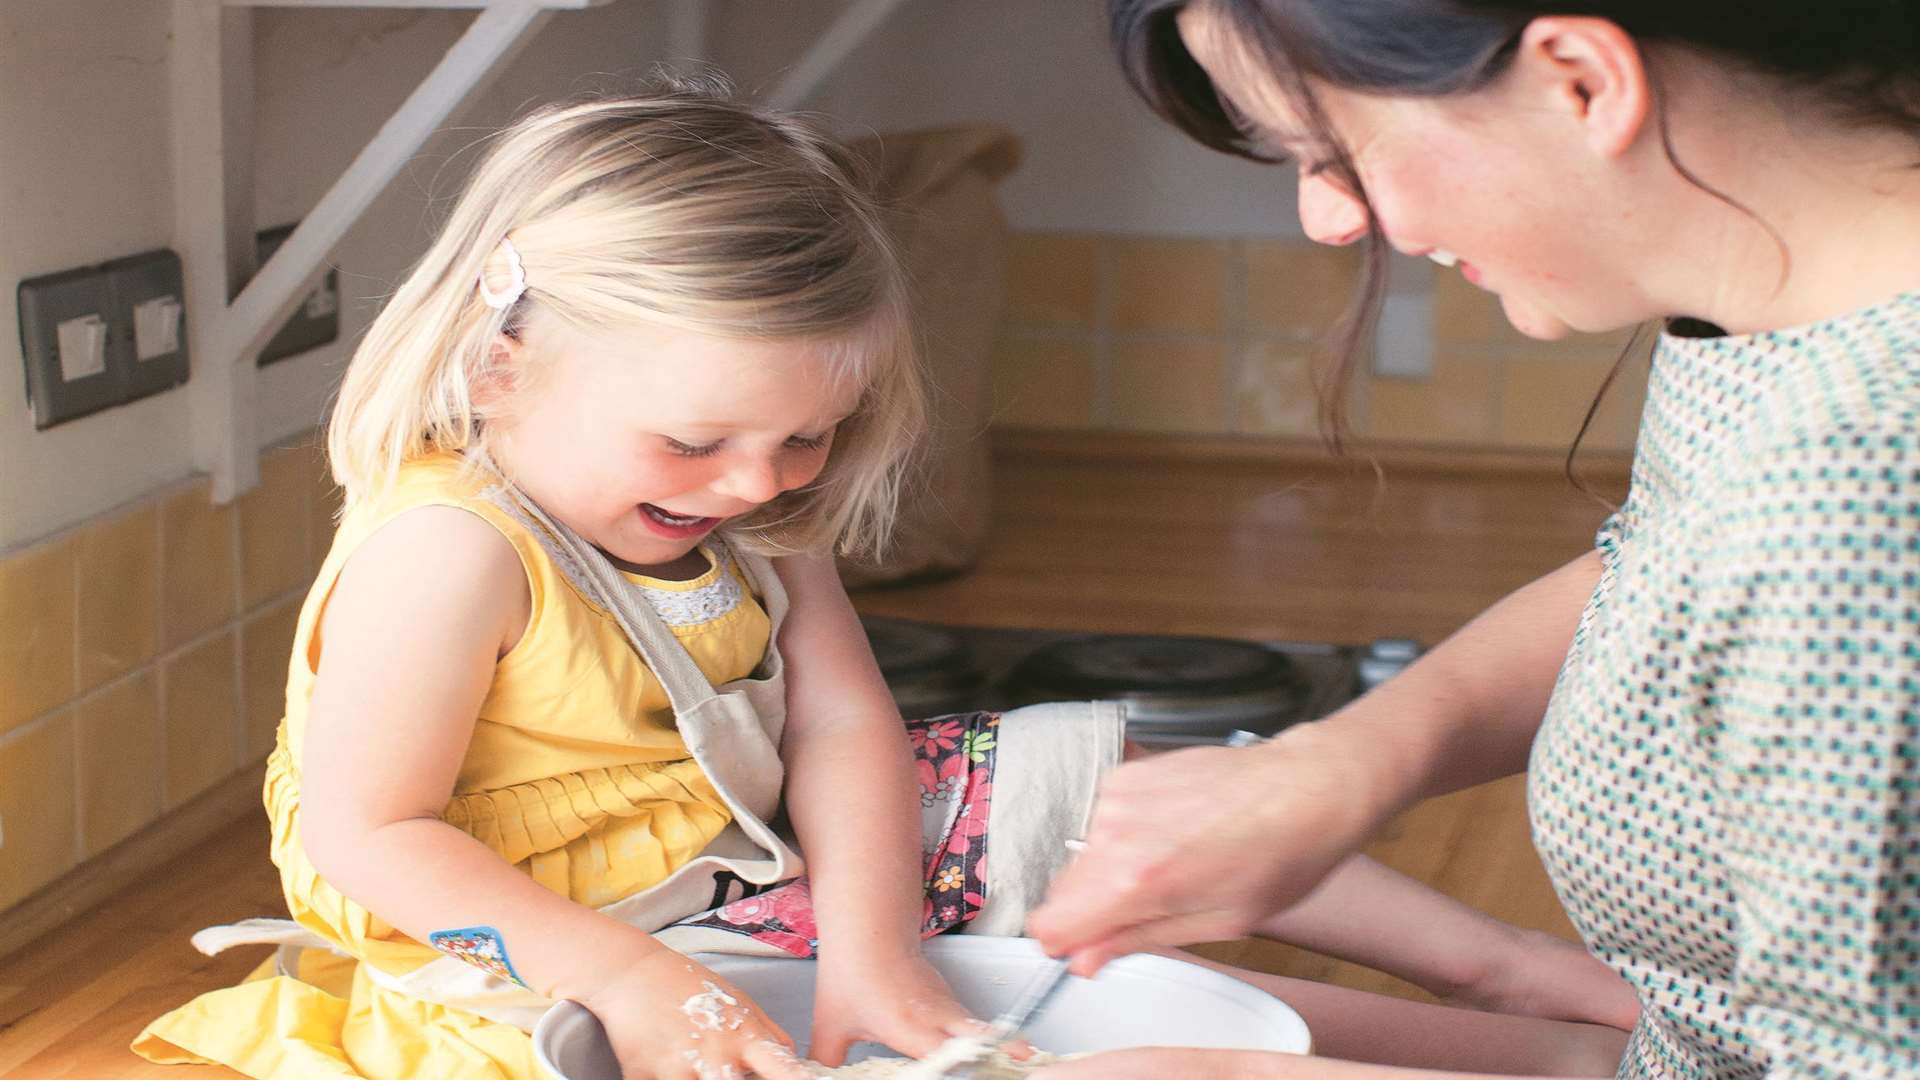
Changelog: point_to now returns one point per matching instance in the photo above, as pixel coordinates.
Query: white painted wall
(83, 177)
(1096, 159)
(84, 163)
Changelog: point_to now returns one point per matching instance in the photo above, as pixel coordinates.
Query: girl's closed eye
(691, 449)
(699, 450)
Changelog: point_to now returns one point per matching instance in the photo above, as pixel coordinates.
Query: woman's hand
(901, 1002)
(670, 1018)
(1203, 844)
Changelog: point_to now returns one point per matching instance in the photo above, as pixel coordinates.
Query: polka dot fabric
(1726, 787)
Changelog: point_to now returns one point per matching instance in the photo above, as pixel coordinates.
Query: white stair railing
(212, 91)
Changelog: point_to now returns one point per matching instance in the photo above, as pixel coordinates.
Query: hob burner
(931, 670)
(1175, 690)
(1169, 685)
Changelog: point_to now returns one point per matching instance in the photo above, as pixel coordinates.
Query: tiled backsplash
(143, 658)
(1213, 337)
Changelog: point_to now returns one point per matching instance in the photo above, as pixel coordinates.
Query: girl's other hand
(900, 1002)
(670, 1018)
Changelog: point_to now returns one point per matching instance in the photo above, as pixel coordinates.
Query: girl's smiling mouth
(675, 526)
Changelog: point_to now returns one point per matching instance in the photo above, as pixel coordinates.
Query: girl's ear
(499, 374)
(1594, 73)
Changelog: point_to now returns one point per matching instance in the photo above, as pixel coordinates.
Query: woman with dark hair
(1718, 708)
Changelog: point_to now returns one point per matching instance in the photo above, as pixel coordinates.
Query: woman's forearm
(1373, 915)
(1468, 710)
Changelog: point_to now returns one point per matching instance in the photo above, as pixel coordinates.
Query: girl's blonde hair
(677, 208)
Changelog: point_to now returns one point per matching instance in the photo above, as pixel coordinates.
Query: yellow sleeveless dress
(575, 775)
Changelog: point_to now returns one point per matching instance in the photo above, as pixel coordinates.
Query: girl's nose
(1329, 213)
(751, 478)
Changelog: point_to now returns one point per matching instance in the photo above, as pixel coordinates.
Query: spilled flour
(713, 1009)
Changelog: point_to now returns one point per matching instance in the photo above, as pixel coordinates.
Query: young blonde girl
(580, 621)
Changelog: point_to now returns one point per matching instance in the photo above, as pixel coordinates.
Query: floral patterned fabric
(954, 757)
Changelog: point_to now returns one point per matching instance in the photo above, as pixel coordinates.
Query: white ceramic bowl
(1136, 1001)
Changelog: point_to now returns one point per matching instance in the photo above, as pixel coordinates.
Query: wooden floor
(1172, 546)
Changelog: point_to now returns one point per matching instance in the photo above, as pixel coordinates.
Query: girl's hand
(901, 1002)
(1204, 844)
(669, 1018)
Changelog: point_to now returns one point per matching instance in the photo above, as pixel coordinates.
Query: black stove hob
(1175, 690)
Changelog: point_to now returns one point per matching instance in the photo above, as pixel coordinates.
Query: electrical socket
(98, 336)
(316, 321)
(149, 322)
(62, 317)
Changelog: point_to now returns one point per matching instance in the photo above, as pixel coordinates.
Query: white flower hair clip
(504, 299)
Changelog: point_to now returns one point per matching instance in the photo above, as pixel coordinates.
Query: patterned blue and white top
(1726, 787)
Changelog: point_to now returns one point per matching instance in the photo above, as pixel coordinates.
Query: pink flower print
(937, 738)
(792, 904)
(950, 915)
(786, 942)
(947, 784)
(972, 821)
(950, 879)
(979, 791)
(748, 910)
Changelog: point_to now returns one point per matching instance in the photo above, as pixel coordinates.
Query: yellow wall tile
(200, 719)
(1543, 399)
(1052, 281)
(274, 520)
(36, 632)
(118, 562)
(37, 807)
(1170, 386)
(197, 587)
(120, 752)
(266, 647)
(1455, 406)
(1043, 381)
(1275, 394)
(1168, 285)
(1299, 288)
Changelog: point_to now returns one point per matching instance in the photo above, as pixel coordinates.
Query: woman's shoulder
(1859, 372)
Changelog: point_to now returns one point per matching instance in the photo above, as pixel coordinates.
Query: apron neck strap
(601, 582)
